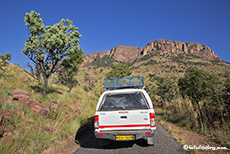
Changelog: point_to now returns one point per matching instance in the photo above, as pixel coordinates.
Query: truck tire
(103, 142)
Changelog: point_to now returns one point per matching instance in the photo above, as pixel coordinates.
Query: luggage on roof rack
(124, 82)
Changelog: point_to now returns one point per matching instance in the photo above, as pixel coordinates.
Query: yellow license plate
(124, 137)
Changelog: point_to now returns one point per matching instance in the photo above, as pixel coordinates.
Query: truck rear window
(128, 101)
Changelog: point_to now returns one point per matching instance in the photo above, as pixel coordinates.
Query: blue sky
(104, 24)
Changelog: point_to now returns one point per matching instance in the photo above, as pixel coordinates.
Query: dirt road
(166, 144)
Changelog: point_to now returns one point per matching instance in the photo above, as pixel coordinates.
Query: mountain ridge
(128, 54)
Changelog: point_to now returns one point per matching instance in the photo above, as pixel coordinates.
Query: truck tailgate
(124, 120)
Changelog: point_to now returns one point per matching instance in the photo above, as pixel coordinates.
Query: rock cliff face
(94, 56)
(178, 47)
(129, 54)
(125, 53)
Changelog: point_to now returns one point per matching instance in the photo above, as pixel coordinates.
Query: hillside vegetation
(27, 131)
(162, 74)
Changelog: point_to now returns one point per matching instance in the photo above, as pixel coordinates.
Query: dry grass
(188, 137)
(185, 136)
(29, 135)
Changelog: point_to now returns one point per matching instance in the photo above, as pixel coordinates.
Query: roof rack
(124, 82)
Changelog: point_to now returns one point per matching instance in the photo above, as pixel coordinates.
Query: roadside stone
(54, 104)
(40, 109)
(228, 142)
(21, 95)
(16, 101)
(217, 124)
(9, 101)
(24, 79)
(74, 107)
(8, 134)
(25, 98)
(2, 125)
(8, 137)
(1, 99)
(47, 129)
(78, 102)
(26, 102)
(19, 112)
(6, 113)
(68, 118)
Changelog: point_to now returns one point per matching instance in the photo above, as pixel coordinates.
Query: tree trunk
(70, 88)
(45, 85)
(197, 114)
(38, 77)
(2, 72)
(70, 85)
(200, 116)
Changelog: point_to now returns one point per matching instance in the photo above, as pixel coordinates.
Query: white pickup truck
(125, 114)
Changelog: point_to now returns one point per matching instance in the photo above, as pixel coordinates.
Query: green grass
(182, 116)
(151, 62)
(106, 61)
(35, 133)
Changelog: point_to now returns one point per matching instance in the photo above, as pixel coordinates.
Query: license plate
(124, 137)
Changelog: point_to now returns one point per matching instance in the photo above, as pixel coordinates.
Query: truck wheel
(103, 142)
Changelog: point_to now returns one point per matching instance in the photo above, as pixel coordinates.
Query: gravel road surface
(166, 144)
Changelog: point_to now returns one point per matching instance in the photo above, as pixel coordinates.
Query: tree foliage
(119, 70)
(4, 61)
(198, 85)
(166, 89)
(89, 79)
(226, 98)
(69, 68)
(48, 45)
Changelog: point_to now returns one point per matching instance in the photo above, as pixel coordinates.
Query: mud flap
(151, 140)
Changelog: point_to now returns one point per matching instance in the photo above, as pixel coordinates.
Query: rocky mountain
(128, 54)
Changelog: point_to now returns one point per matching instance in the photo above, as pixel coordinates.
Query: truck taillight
(96, 118)
(152, 120)
(96, 122)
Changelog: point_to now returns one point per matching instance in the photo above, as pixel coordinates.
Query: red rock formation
(6, 113)
(8, 137)
(94, 56)
(74, 107)
(19, 112)
(1, 99)
(125, 53)
(25, 98)
(129, 54)
(178, 47)
(40, 109)
(54, 104)
(21, 95)
(2, 125)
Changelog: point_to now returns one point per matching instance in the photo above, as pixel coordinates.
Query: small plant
(4, 62)
(86, 88)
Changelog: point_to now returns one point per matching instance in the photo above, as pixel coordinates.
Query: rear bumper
(111, 135)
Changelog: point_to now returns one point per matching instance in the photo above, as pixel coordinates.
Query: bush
(119, 70)
(86, 88)
(106, 61)
(151, 62)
